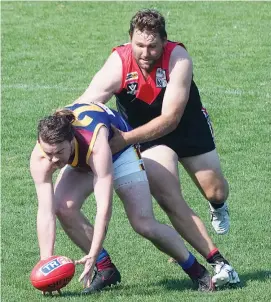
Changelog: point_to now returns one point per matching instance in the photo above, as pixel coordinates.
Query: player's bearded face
(147, 48)
(58, 154)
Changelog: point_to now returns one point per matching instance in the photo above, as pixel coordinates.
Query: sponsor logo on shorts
(131, 76)
(54, 264)
(161, 79)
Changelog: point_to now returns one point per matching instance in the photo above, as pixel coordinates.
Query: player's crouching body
(76, 140)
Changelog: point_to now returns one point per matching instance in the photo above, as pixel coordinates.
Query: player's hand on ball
(86, 276)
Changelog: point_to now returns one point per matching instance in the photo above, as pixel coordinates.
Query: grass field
(50, 51)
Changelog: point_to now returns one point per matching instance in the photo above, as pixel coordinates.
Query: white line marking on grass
(42, 87)
(235, 92)
(218, 90)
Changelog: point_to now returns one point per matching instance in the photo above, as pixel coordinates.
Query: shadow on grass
(255, 276)
(176, 284)
(169, 285)
(55, 295)
(149, 288)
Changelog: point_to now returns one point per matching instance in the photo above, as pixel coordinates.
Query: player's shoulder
(39, 163)
(100, 141)
(113, 66)
(179, 52)
(122, 47)
(102, 134)
(36, 154)
(123, 51)
(179, 59)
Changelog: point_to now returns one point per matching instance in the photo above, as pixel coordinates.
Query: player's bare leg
(137, 202)
(138, 206)
(205, 170)
(182, 217)
(71, 190)
(162, 169)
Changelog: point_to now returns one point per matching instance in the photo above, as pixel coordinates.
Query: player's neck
(146, 72)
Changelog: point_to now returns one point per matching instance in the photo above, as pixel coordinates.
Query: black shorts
(193, 136)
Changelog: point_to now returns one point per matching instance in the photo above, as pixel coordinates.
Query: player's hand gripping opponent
(118, 141)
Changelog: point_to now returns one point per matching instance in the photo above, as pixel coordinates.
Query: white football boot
(224, 275)
(220, 219)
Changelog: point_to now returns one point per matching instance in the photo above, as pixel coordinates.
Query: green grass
(50, 51)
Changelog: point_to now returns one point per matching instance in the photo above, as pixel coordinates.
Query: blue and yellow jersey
(89, 119)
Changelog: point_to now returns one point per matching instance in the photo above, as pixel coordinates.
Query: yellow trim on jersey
(93, 139)
(86, 121)
(90, 107)
(76, 152)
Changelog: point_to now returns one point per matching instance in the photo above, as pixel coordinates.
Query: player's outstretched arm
(105, 83)
(41, 172)
(102, 167)
(101, 164)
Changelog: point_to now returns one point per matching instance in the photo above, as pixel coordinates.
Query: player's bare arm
(174, 102)
(101, 164)
(105, 83)
(102, 167)
(42, 170)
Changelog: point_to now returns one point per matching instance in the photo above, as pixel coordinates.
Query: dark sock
(217, 205)
(215, 256)
(104, 261)
(192, 268)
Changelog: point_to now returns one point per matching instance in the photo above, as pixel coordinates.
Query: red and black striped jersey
(140, 99)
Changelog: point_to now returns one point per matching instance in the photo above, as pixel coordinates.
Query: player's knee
(144, 227)
(64, 212)
(218, 193)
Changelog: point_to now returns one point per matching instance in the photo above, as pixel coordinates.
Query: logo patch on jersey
(132, 88)
(161, 79)
(131, 76)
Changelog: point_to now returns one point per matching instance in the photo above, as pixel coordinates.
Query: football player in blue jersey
(76, 140)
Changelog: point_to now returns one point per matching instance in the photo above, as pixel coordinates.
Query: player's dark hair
(150, 20)
(57, 128)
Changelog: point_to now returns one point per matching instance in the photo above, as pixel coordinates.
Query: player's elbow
(176, 121)
(173, 122)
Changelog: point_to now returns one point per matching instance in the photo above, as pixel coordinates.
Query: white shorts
(129, 168)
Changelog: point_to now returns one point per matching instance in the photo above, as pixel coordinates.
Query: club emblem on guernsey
(52, 265)
(161, 79)
(132, 88)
